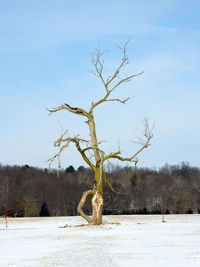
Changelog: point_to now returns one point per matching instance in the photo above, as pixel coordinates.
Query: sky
(45, 52)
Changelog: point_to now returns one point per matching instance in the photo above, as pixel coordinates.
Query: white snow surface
(138, 241)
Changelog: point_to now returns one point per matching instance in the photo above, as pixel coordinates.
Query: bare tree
(92, 146)
(7, 196)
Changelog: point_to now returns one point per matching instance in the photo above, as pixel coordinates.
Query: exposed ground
(137, 241)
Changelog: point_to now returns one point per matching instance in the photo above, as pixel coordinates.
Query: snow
(136, 241)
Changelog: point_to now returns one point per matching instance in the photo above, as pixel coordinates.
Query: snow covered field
(137, 241)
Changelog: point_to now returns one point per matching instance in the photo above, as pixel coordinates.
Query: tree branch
(123, 101)
(131, 159)
(81, 204)
(128, 78)
(67, 141)
(78, 111)
(98, 64)
(107, 181)
(123, 62)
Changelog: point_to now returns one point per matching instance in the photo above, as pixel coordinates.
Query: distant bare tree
(92, 146)
(7, 179)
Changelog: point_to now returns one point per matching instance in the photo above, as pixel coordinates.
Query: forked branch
(78, 111)
(148, 136)
(98, 64)
(76, 140)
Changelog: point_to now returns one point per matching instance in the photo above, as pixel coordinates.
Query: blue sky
(45, 53)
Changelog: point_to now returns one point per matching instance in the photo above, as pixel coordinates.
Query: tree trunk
(97, 199)
(81, 204)
(97, 205)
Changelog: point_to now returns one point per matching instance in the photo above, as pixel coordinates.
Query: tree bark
(97, 205)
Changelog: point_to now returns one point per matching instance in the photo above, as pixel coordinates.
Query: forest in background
(29, 191)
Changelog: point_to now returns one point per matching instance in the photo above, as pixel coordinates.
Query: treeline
(29, 191)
